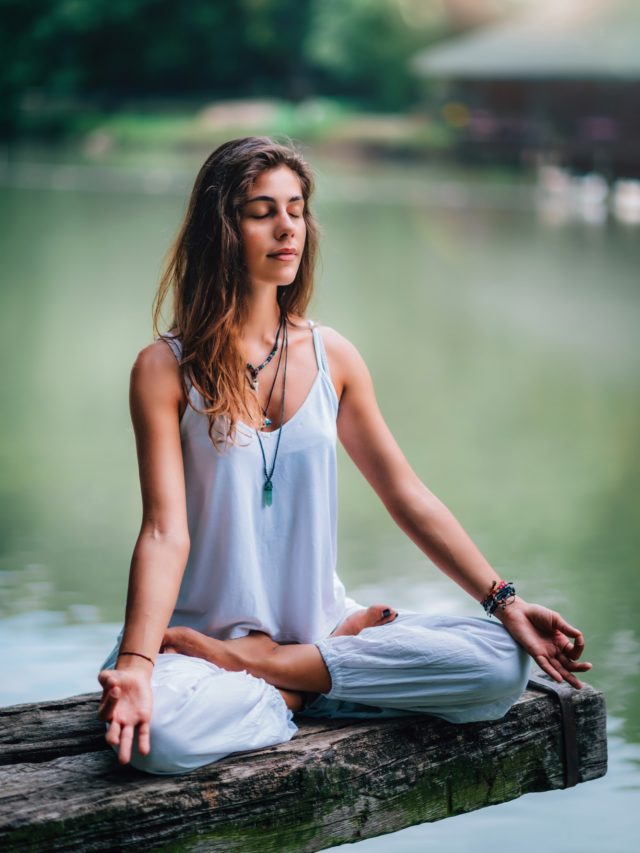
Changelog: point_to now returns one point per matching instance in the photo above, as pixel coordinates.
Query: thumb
(107, 678)
(576, 635)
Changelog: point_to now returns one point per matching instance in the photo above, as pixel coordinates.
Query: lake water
(504, 347)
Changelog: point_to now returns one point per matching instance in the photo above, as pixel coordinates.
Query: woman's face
(273, 227)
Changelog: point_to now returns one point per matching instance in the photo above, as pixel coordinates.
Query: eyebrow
(270, 198)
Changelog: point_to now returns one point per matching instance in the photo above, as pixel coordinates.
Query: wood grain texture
(39, 732)
(336, 781)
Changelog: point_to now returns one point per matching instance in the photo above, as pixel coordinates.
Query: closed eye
(271, 212)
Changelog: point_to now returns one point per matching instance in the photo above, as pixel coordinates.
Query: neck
(263, 317)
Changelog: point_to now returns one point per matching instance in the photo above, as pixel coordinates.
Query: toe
(386, 613)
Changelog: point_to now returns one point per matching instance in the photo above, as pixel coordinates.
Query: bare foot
(241, 654)
(369, 617)
(234, 655)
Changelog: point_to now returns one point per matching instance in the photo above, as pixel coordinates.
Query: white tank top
(257, 567)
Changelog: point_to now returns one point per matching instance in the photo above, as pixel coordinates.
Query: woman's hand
(553, 644)
(126, 706)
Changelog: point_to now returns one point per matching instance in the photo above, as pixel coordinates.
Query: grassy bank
(158, 131)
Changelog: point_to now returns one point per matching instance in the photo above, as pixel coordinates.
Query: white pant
(461, 669)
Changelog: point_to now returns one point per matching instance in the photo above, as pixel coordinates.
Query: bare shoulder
(155, 357)
(155, 374)
(346, 364)
(337, 345)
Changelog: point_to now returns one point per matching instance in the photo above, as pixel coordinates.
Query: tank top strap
(318, 346)
(175, 344)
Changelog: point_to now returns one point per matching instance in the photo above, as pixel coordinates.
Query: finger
(104, 700)
(144, 739)
(112, 736)
(574, 650)
(573, 681)
(565, 674)
(108, 702)
(574, 666)
(126, 739)
(569, 631)
(565, 627)
(105, 708)
(580, 667)
(544, 664)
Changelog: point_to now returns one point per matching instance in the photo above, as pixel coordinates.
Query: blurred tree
(108, 51)
(363, 46)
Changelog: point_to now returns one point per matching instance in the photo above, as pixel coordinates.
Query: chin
(281, 281)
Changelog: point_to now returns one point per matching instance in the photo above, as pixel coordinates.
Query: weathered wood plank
(46, 730)
(334, 782)
(52, 729)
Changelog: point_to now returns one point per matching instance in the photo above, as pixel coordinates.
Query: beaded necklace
(254, 371)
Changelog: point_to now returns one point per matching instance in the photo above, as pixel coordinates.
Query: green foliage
(363, 46)
(58, 54)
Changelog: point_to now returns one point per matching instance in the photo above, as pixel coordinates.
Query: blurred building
(557, 82)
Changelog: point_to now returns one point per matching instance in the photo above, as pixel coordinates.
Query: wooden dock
(61, 787)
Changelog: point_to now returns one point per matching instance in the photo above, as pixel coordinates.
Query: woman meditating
(235, 615)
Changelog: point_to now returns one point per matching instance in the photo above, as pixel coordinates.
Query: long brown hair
(205, 269)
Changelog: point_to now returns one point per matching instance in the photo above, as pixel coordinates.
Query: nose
(284, 224)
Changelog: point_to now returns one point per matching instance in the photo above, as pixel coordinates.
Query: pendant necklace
(266, 420)
(267, 489)
(254, 371)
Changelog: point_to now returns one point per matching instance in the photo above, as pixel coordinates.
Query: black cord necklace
(254, 371)
(267, 489)
(266, 420)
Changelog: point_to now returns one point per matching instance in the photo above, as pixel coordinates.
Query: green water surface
(505, 355)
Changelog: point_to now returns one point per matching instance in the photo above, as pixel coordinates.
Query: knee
(167, 754)
(174, 746)
(172, 752)
(504, 677)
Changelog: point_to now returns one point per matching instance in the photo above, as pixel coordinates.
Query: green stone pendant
(267, 493)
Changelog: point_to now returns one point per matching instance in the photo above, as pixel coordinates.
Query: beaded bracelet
(136, 654)
(500, 595)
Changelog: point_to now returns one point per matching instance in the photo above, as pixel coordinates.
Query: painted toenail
(386, 613)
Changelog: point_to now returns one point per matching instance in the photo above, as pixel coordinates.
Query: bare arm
(161, 550)
(547, 637)
(417, 511)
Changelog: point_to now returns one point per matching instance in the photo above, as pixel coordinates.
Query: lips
(283, 257)
(289, 253)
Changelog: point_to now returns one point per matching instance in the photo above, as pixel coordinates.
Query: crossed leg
(296, 669)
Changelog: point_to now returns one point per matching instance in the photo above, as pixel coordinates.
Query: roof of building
(554, 39)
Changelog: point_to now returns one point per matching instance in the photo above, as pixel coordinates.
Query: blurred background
(478, 169)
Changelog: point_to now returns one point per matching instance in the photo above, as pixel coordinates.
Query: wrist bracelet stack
(500, 595)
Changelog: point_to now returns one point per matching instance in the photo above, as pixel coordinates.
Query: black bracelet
(136, 654)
